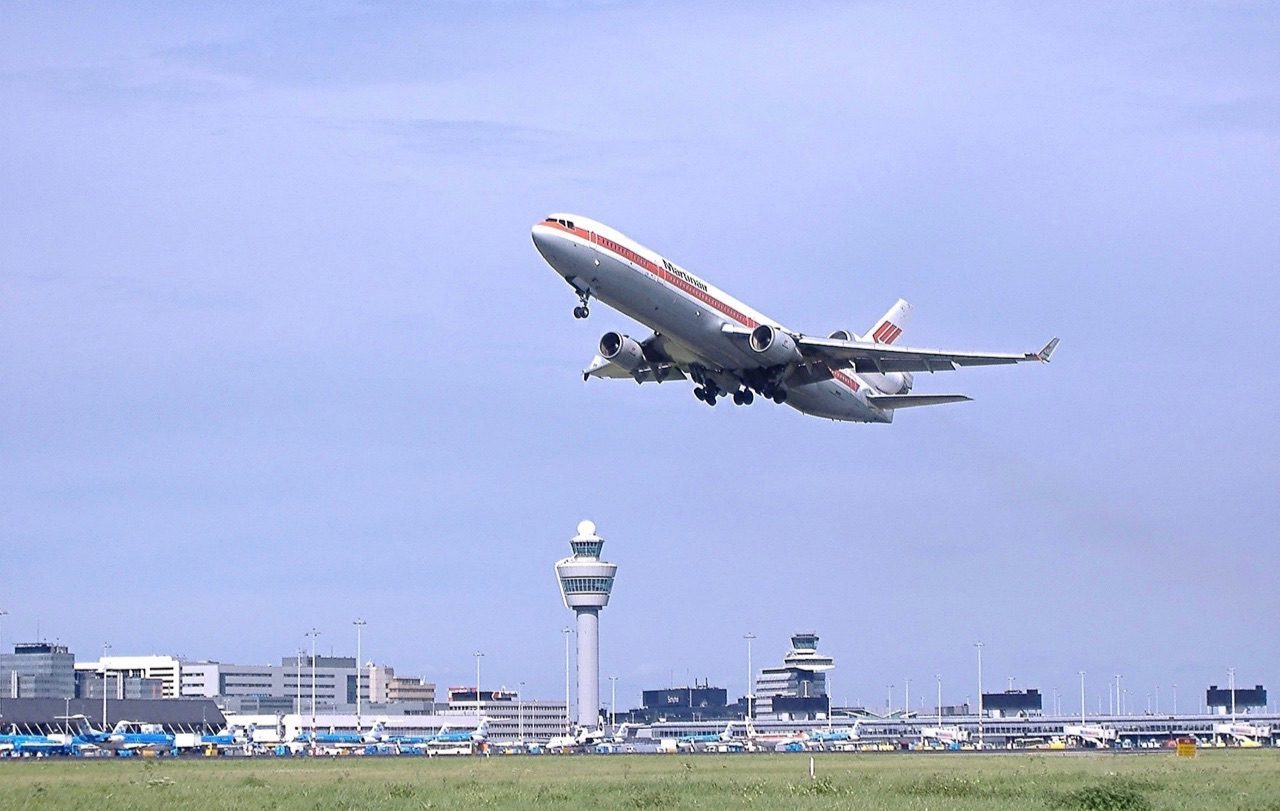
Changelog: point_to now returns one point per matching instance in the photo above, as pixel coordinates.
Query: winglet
(1044, 354)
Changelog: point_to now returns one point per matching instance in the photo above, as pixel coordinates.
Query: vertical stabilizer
(891, 324)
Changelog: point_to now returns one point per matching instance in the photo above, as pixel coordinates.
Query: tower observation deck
(585, 583)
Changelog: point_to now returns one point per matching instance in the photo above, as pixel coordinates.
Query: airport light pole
(479, 712)
(1175, 699)
(3, 688)
(982, 739)
(359, 623)
(1119, 710)
(938, 678)
(1081, 698)
(827, 679)
(750, 673)
(297, 683)
(567, 724)
(1157, 699)
(313, 633)
(1231, 685)
(613, 701)
(906, 698)
(889, 704)
(105, 647)
(520, 711)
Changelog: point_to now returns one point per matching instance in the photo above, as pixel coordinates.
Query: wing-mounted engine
(622, 351)
(844, 335)
(773, 346)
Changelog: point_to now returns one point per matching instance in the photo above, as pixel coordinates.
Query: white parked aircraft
(729, 349)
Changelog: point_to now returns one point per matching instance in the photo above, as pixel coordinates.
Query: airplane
(691, 741)
(776, 741)
(20, 744)
(344, 740)
(837, 735)
(477, 735)
(581, 738)
(728, 349)
(233, 737)
(1095, 735)
(126, 736)
(945, 736)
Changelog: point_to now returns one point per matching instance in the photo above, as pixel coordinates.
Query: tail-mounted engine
(891, 383)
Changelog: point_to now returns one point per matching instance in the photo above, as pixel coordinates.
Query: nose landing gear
(582, 310)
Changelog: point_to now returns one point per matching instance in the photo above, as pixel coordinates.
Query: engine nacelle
(774, 346)
(622, 350)
(844, 335)
(891, 383)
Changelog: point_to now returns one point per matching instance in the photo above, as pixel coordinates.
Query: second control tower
(585, 583)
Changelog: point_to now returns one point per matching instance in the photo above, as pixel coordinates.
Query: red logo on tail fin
(887, 333)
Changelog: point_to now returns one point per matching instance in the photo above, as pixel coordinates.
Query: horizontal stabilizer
(893, 401)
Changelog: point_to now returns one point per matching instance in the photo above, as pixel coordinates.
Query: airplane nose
(548, 243)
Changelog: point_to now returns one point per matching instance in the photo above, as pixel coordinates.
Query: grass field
(1220, 779)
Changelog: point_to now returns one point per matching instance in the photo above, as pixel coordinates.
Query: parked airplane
(20, 744)
(477, 735)
(775, 741)
(945, 736)
(729, 349)
(126, 736)
(692, 741)
(233, 737)
(836, 735)
(344, 740)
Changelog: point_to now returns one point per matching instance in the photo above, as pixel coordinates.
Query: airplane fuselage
(689, 314)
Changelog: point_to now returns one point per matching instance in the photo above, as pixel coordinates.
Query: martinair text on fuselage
(729, 349)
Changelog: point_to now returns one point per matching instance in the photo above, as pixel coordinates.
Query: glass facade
(587, 585)
(38, 670)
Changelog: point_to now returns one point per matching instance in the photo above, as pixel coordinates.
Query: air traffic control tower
(585, 583)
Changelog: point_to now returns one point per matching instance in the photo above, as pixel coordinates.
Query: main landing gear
(708, 392)
(582, 311)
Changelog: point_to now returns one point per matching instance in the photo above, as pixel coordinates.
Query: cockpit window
(566, 223)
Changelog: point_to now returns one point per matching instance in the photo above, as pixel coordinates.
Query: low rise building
(168, 669)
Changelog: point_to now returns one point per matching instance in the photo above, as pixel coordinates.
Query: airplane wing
(658, 369)
(893, 401)
(868, 357)
(653, 373)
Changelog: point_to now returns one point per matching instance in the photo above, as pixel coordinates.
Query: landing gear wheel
(780, 396)
(581, 312)
(737, 398)
(747, 397)
(700, 394)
